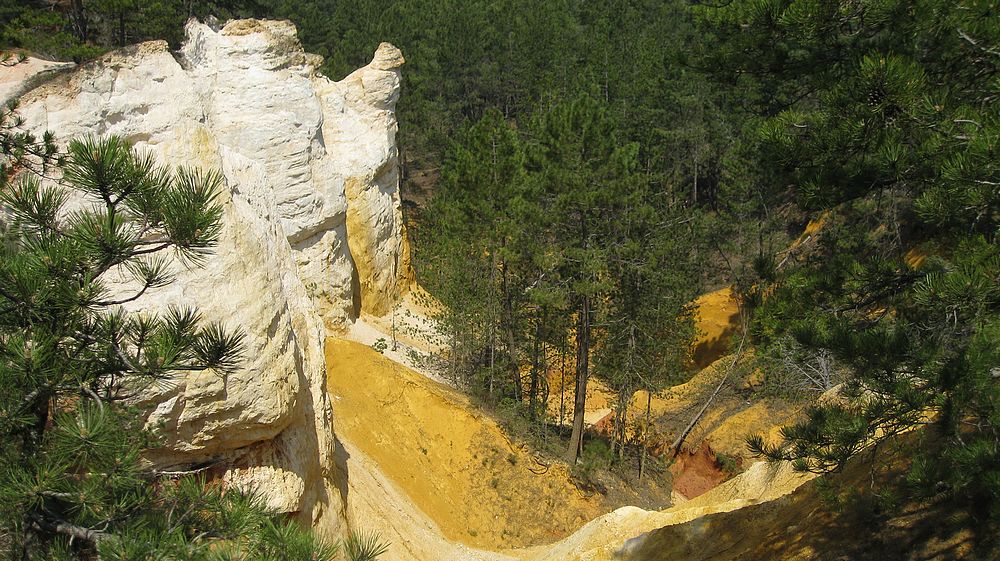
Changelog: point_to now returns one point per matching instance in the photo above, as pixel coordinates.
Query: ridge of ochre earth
(312, 232)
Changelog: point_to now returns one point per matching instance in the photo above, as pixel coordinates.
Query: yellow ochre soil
(454, 463)
(716, 320)
(803, 526)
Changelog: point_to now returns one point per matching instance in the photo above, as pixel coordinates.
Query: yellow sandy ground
(432, 474)
(454, 463)
(445, 475)
(717, 320)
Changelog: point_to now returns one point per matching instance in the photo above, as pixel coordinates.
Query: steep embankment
(451, 461)
(716, 320)
(435, 476)
(735, 410)
(416, 455)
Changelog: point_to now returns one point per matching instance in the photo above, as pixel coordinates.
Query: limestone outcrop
(312, 233)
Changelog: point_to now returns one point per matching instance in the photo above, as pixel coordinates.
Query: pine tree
(73, 482)
(473, 256)
(883, 116)
(538, 235)
(649, 322)
(587, 177)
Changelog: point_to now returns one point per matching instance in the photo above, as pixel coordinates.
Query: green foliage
(473, 256)
(729, 464)
(364, 546)
(468, 58)
(81, 30)
(596, 457)
(47, 34)
(538, 228)
(883, 116)
(20, 149)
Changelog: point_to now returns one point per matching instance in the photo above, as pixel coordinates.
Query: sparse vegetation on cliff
(73, 482)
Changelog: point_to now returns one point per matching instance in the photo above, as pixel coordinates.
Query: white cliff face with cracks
(312, 233)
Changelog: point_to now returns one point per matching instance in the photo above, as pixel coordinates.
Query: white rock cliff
(312, 233)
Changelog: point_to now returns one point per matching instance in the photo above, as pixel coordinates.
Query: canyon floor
(440, 480)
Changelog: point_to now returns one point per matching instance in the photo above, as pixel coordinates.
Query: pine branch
(60, 526)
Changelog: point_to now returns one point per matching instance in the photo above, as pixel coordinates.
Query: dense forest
(576, 173)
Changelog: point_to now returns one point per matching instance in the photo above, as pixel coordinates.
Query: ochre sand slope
(439, 479)
(452, 462)
(717, 319)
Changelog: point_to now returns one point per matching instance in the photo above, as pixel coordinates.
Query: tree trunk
(621, 422)
(80, 21)
(562, 383)
(453, 360)
(676, 446)
(508, 320)
(645, 436)
(580, 398)
(535, 367)
(493, 322)
(121, 28)
(40, 410)
(695, 189)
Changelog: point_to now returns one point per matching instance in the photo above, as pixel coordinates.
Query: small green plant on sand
(364, 546)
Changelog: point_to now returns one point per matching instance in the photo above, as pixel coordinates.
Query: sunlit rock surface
(312, 232)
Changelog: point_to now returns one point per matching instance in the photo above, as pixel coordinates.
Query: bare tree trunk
(676, 446)
(535, 366)
(695, 191)
(582, 372)
(621, 421)
(562, 383)
(493, 322)
(508, 311)
(80, 21)
(121, 28)
(393, 329)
